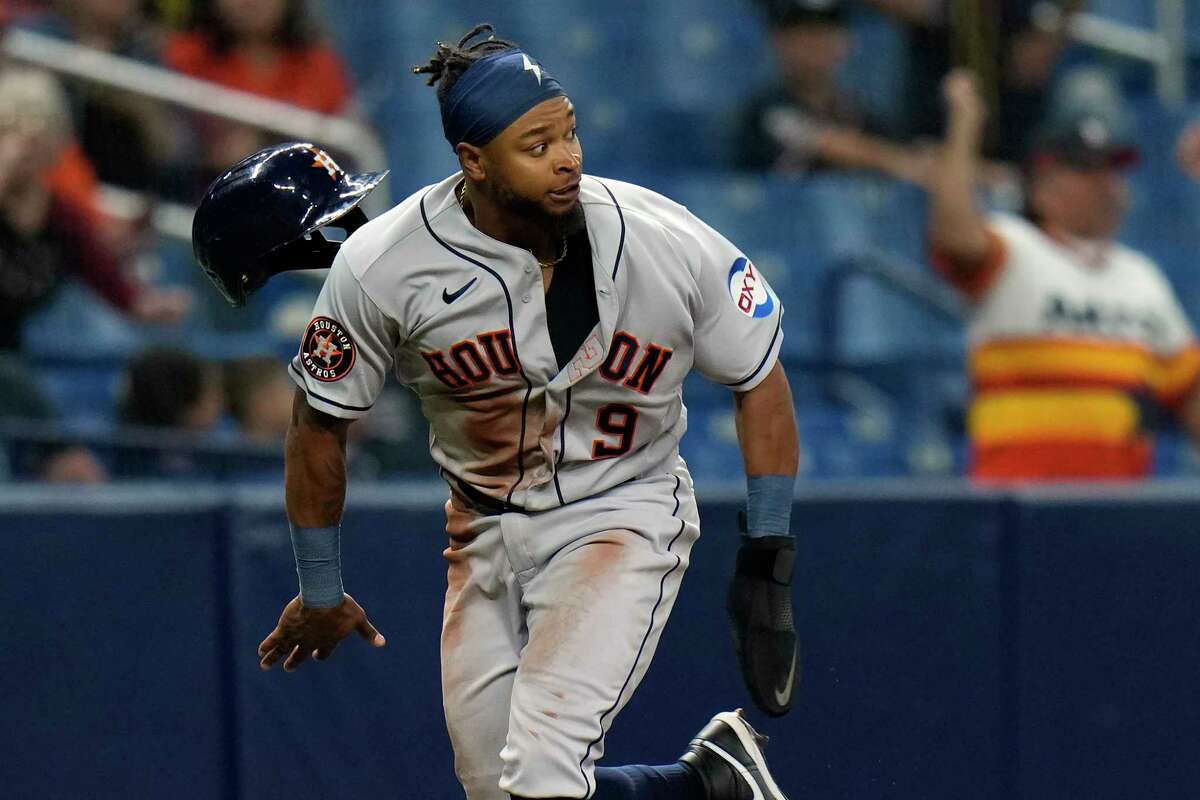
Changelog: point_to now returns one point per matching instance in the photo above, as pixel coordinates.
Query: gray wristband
(318, 554)
(769, 505)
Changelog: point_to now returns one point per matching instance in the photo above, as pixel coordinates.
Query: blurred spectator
(259, 396)
(1013, 47)
(30, 456)
(45, 235)
(114, 26)
(15, 10)
(129, 140)
(806, 121)
(1076, 342)
(268, 48)
(170, 407)
(172, 389)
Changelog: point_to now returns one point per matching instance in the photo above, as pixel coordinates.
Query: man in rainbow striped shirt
(1075, 340)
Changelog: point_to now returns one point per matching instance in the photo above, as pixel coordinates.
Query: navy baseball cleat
(729, 758)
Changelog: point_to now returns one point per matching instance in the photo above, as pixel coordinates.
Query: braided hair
(450, 61)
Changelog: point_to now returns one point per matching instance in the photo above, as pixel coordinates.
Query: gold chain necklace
(461, 193)
(555, 262)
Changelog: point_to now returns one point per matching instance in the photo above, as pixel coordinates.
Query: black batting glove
(760, 612)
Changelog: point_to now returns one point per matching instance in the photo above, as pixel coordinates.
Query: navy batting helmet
(262, 216)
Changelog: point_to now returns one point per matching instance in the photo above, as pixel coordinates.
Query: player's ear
(470, 158)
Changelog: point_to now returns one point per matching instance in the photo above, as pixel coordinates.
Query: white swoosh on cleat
(769, 790)
(783, 697)
(737, 765)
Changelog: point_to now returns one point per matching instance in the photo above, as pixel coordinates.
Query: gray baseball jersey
(461, 318)
(597, 512)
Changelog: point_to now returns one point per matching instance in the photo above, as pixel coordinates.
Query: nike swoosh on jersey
(449, 297)
(782, 697)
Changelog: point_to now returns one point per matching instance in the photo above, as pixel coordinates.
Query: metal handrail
(50, 433)
(1116, 37)
(1164, 48)
(357, 139)
(905, 277)
(1172, 73)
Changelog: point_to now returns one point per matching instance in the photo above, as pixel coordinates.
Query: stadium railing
(77, 62)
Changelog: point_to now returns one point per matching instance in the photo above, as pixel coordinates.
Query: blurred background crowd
(816, 134)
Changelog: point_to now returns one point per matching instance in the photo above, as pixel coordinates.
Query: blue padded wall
(1109, 704)
(115, 670)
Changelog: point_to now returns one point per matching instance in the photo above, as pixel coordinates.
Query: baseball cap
(1086, 140)
(792, 13)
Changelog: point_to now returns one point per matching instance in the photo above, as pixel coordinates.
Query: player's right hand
(961, 95)
(760, 611)
(302, 632)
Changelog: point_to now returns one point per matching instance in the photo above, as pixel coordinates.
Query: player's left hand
(760, 610)
(302, 632)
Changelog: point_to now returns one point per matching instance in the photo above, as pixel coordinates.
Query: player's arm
(958, 233)
(317, 619)
(760, 597)
(852, 149)
(315, 466)
(315, 486)
(738, 338)
(766, 428)
(343, 360)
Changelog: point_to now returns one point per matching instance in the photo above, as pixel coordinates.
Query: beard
(559, 225)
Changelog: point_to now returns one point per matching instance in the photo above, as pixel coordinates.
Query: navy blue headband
(492, 94)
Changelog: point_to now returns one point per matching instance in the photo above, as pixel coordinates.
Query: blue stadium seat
(707, 53)
(837, 440)
(1175, 455)
(631, 139)
(82, 392)
(830, 446)
(654, 83)
(874, 72)
(797, 229)
(78, 324)
(1164, 218)
(596, 50)
(1129, 12)
(776, 224)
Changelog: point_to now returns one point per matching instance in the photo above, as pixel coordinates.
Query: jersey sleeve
(347, 348)
(975, 278)
(738, 325)
(1177, 354)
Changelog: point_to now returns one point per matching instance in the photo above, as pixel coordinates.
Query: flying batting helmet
(262, 216)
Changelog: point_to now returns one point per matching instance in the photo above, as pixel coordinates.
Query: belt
(486, 503)
(492, 505)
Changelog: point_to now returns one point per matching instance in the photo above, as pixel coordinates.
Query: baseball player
(547, 319)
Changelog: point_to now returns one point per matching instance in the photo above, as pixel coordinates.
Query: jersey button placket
(528, 296)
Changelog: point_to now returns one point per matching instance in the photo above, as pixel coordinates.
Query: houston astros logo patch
(323, 161)
(327, 351)
(749, 290)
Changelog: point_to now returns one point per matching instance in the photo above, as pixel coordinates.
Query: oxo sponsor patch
(749, 290)
(327, 351)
